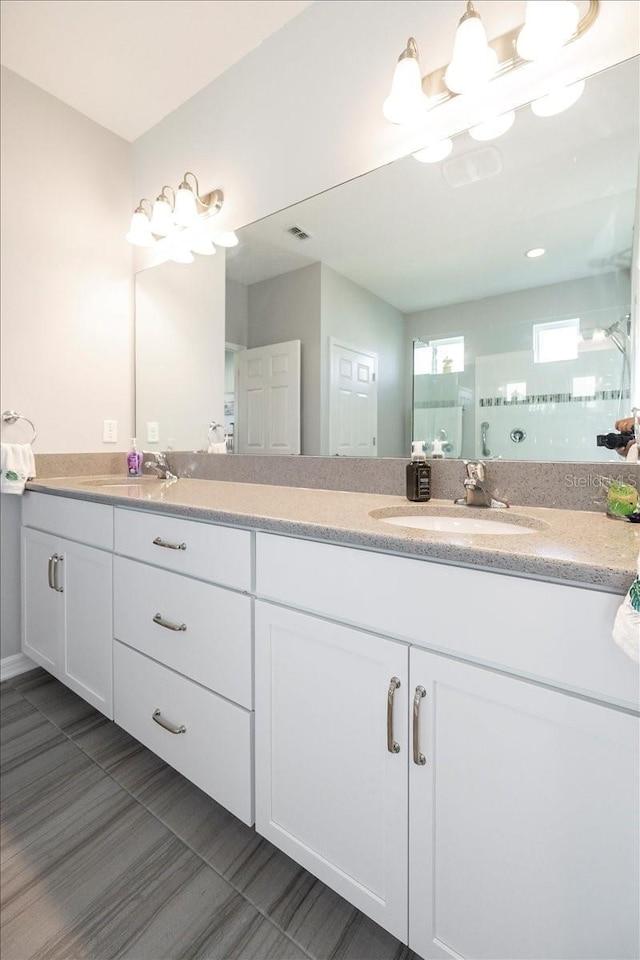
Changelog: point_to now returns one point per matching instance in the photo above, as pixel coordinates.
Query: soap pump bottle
(134, 460)
(418, 474)
(437, 452)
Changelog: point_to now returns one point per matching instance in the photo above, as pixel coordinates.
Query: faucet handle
(475, 469)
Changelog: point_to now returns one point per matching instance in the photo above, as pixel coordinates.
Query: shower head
(619, 326)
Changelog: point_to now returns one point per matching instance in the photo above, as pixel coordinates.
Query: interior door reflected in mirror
(491, 291)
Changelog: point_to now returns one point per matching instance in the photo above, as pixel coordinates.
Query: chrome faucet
(159, 465)
(476, 490)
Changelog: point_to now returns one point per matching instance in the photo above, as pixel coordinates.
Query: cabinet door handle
(171, 727)
(51, 561)
(392, 746)
(159, 619)
(159, 542)
(418, 758)
(57, 560)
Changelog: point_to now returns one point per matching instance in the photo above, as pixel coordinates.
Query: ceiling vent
(299, 233)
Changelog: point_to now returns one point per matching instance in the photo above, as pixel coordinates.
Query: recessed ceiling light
(535, 252)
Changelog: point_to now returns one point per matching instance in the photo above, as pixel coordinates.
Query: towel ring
(10, 416)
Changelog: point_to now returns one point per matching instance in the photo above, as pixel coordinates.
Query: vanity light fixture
(535, 252)
(549, 26)
(434, 152)
(177, 221)
(558, 100)
(493, 127)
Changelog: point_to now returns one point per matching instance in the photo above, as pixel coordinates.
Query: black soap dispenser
(418, 474)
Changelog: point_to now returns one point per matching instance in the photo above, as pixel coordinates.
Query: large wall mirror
(404, 305)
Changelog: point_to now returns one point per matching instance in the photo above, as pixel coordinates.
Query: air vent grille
(299, 233)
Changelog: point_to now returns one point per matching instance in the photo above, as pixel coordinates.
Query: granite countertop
(577, 546)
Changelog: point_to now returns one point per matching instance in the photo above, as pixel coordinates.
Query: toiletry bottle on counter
(134, 460)
(418, 474)
(437, 452)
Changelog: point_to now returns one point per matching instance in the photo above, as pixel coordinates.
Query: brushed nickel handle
(159, 619)
(418, 758)
(159, 542)
(165, 724)
(50, 562)
(57, 559)
(392, 746)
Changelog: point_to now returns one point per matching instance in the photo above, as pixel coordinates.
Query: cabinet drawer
(216, 750)
(544, 631)
(219, 554)
(79, 520)
(215, 647)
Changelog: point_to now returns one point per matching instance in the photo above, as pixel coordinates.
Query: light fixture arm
(433, 83)
(162, 196)
(410, 51)
(211, 202)
(141, 209)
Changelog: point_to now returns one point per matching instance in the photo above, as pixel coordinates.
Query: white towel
(17, 466)
(626, 626)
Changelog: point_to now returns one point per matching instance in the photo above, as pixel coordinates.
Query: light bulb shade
(226, 238)
(162, 218)
(201, 244)
(493, 127)
(186, 211)
(473, 62)
(558, 100)
(181, 255)
(547, 27)
(434, 152)
(140, 234)
(406, 101)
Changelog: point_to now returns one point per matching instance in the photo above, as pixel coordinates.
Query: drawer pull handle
(159, 619)
(159, 542)
(171, 727)
(57, 559)
(51, 561)
(392, 746)
(418, 758)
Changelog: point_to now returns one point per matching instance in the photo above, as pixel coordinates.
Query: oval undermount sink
(456, 520)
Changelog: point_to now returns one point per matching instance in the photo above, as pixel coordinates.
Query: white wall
(66, 347)
(180, 333)
(66, 271)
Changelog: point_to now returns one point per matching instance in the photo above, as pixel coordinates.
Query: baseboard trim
(15, 665)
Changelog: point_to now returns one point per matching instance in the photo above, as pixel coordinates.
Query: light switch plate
(110, 431)
(153, 431)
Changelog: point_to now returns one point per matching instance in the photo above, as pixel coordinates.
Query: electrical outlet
(153, 432)
(110, 431)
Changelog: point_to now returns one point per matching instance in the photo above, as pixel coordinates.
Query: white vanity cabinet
(67, 593)
(331, 756)
(521, 826)
(183, 657)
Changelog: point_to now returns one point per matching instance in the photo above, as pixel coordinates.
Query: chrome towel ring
(10, 416)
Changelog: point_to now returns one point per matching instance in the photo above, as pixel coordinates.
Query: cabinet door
(41, 603)
(524, 820)
(328, 791)
(86, 576)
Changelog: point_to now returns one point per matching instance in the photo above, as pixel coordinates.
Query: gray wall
(360, 320)
(237, 312)
(288, 308)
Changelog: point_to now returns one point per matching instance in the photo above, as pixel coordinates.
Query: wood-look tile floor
(108, 852)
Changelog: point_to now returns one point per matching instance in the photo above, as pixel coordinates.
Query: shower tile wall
(558, 416)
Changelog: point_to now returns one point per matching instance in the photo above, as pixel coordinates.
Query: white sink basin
(453, 523)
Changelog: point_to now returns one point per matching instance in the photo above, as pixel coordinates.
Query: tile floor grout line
(256, 907)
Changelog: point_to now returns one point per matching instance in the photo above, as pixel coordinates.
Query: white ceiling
(128, 63)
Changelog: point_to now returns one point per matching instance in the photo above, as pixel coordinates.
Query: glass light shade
(162, 218)
(558, 100)
(202, 245)
(181, 255)
(186, 211)
(493, 127)
(140, 234)
(473, 62)
(434, 152)
(406, 100)
(547, 27)
(225, 239)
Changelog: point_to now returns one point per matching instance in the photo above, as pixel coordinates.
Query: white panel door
(353, 402)
(269, 399)
(524, 820)
(329, 792)
(41, 603)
